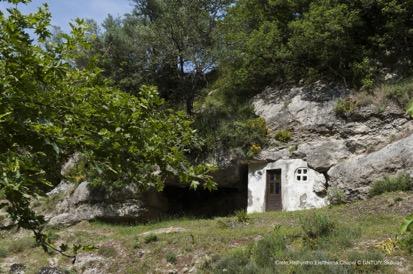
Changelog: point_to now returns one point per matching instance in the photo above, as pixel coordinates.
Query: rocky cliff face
(353, 151)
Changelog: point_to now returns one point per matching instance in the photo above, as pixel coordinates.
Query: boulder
(356, 174)
(323, 153)
(83, 202)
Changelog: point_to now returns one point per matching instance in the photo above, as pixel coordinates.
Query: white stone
(295, 195)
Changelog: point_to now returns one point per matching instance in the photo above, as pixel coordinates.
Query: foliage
(283, 135)
(150, 238)
(317, 226)
(402, 182)
(242, 216)
(166, 43)
(277, 42)
(171, 257)
(406, 230)
(277, 247)
(336, 196)
(407, 225)
(50, 109)
(225, 127)
(345, 107)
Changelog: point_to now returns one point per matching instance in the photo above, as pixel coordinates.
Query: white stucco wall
(295, 195)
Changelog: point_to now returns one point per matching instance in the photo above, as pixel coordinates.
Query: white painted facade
(296, 194)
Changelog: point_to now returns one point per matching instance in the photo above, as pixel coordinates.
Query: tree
(167, 43)
(281, 42)
(49, 109)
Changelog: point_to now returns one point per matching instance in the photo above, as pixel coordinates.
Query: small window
(301, 174)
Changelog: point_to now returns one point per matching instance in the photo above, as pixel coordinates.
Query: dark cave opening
(204, 203)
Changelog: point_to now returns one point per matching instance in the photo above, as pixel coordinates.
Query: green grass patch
(401, 182)
(150, 239)
(3, 252)
(107, 251)
(283, 135)
(345, 107)
(171, 257)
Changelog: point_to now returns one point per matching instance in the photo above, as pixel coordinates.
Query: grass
(107, 251)
(340, 232)
(345, 107)
(150, 238)
(401, 182)
(379, 97)
(283, 135)
(20, 245)
(170, 257)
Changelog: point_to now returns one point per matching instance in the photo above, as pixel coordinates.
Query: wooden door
(273, 190)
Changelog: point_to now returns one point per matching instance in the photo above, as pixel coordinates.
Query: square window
(305, 171)
(304, 178)
(299, 171)
(299, 178)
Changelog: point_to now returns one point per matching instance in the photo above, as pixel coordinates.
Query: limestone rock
(356, 174)
(85, 203)
(50, 270)
(322, 154)
(167, 230)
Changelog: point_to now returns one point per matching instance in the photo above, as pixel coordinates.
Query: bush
(336, 196)
(241, 216)
(283, 135)
(227, 128)
(402, 182)
(316, 226)
(170, 257)
(150, 238)
(401, 92)
(345, 107)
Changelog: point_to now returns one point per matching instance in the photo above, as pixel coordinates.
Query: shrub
(336, 196)
(283, 135)
(402, 182)
(316, 225)
(268, 249)
(345, 107)
(401, 92)
(241, 216)
(150, 238)
(170, 257)
(226, 128)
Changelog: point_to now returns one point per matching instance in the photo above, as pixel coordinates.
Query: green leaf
(407, 224)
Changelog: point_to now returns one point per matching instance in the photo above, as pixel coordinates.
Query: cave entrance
(204, 203)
